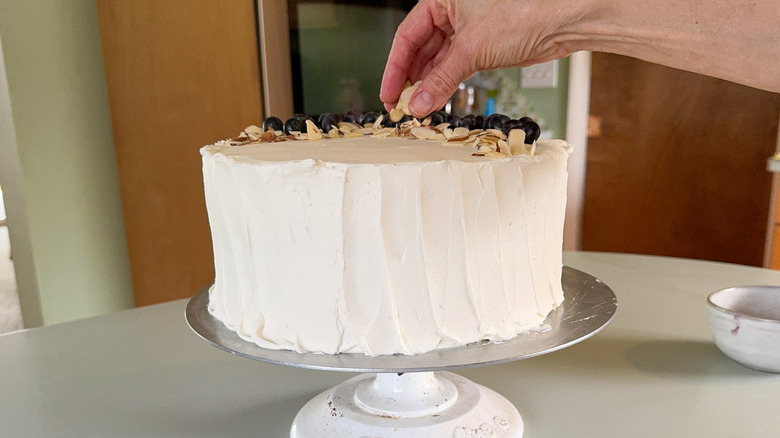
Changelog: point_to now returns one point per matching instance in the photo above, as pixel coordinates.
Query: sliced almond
(497, 133)
(405, 133)
(352, 134)
(364, 131)
(313, 131)
(422, 132)
(268, 136)
(254, 132)
(406, 95)
(519, 150)
(516, 136)
(407, 124)
(488, 138)
(378, 123)
(382, 133)
(503, 147)
(347, 126)
(334, 133)
(498, 155)
(396, 114)
(402, 107)
(243, 137)
(516, 142)
(461, 132)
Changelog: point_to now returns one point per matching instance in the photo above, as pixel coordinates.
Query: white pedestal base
(410, 405)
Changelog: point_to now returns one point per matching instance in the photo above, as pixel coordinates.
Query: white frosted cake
(362, 244)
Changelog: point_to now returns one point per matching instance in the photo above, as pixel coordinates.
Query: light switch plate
(544, 75)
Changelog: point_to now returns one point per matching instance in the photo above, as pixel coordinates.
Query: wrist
(582, 23)
(571, 25)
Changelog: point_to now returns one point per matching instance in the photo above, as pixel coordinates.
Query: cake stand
(417, 396)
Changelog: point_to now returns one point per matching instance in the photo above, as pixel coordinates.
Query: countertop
(652, 372)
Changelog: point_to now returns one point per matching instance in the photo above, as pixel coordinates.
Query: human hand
(444, 42)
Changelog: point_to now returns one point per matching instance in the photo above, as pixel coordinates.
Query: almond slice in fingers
(402, 107)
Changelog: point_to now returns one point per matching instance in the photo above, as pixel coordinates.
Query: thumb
(440, 83)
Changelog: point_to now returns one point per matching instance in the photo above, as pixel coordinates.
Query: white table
(653, 372)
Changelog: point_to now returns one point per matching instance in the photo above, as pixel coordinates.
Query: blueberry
(304, 117)
(468, 121)
(274, 123)
(453, 120)
(353, 117)
(437, 117)
(386, 122)
(510, 125)
(526, 119)
(404, 119)
(532, 131)
(328, 121)
(496, 121)
(294, 124)
(369, 117)
(479, 122)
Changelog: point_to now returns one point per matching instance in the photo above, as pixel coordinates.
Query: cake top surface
(394, 138)
(367, 150)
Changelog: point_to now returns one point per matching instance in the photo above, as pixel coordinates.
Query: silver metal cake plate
(402, 396)
(588, 306)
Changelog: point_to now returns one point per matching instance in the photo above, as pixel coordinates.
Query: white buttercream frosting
(383, 246)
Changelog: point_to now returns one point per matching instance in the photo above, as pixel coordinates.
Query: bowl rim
(742, 315)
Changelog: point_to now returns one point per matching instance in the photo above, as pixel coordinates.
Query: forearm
(736, 40)
(443, 42)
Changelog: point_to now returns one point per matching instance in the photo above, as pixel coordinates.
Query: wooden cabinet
(773, 246)
(679, 166)
(180, 74)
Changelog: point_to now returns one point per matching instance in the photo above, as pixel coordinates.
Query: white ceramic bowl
(745, 323)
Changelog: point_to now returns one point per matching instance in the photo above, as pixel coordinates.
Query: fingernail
(422, 103)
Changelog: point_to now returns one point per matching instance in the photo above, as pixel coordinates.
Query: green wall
(547, 105)
(59, 164)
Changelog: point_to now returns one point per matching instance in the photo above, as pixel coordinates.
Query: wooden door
(180, 74)
(679, 165)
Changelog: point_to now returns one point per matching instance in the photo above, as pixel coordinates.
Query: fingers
(426, 56)
(413, 33)
(441, 82)
(420, 66)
